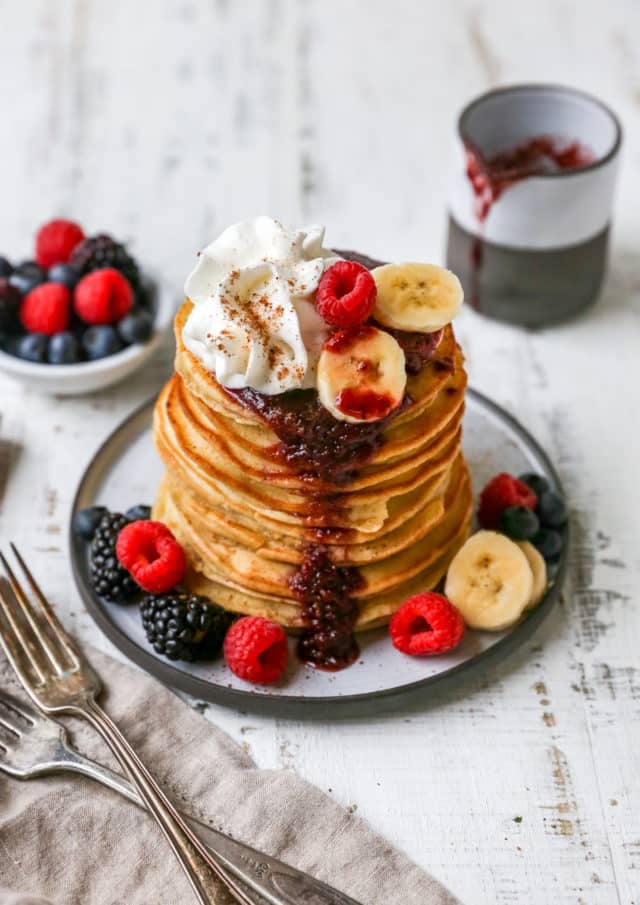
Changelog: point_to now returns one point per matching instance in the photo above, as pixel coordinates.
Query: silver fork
(59, 679)
(33, 745)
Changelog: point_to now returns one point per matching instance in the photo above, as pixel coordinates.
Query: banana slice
(490, 581)
(361, 374)
(417, 297)
(539, 569)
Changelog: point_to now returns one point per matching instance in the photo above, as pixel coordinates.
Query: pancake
(286, 513)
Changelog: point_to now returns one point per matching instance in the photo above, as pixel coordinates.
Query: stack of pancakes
(246, 517)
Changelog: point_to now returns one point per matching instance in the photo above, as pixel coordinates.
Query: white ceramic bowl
(89, 376)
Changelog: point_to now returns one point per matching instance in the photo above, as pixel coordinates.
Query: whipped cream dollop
(254, 322)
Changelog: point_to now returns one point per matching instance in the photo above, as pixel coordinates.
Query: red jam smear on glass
(537, 156)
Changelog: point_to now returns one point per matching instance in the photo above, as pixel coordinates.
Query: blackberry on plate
(184, 626)
(108, 577)
(103, 251)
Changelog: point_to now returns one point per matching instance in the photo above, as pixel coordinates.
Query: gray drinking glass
(538, 255)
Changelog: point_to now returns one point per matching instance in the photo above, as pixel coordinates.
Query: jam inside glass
(539, 155)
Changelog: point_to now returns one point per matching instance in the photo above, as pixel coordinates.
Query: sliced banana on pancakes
(539, 569)
(416, 297)
(361, 374)
(490, 581)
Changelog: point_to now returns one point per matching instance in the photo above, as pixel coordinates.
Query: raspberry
(46, 309)
(501, 493)
(55, 241)
(426, 624)
(256, 650)
(103, 297)
(346, 294)
(150, 552)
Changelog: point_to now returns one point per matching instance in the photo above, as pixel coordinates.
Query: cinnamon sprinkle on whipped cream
(254, 322)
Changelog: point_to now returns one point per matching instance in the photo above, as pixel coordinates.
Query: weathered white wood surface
(163, 121)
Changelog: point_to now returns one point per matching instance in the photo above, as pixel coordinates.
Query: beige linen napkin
(65, 840)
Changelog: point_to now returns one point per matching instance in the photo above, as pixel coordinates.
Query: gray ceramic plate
(126, 471)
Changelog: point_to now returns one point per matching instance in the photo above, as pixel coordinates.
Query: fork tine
(27, 608)
(8, 702)
(47, 611)
(9, 726)
(16, 646)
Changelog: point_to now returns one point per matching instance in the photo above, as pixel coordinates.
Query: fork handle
(203, 871)
(258, 874)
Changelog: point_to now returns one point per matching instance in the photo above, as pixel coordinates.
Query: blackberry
(103, 251)
(184, 626)
(108, 577)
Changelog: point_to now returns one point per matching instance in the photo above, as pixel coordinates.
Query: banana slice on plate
(416, 297)
(361, 374)
(490, 581)
(539, 569)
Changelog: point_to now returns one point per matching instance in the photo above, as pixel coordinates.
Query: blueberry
(100, 342)
(6, 268)
(23, 282)
(553, 567)
(10, 300)
(536, 482)
(549, 542)
(32, 347)
(552, 510)
(139, 513)
(64, 349)
(136, 327)
(63, 273)
(86, 521)
(31, 269)
(519, 523)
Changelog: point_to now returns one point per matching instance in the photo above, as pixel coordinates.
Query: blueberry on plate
(552, 510)
(100, 342)
(536, 482)
(86, 521)
(139, 513)
(32, 347)
(549, 542)
(136, 327)
(519, 523)
(64, 349)
(6, 268)
(64, 274)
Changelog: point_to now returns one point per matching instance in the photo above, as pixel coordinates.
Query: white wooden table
(163, 122)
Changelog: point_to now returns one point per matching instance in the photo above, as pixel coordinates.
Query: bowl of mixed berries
(80, 315)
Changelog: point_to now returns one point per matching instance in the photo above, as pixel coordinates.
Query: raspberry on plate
(426, 624)
(501, 493)
(46, 309)
(256, 650)
(103, 297)
(150, 552)
(55, 241)
(346, 294)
